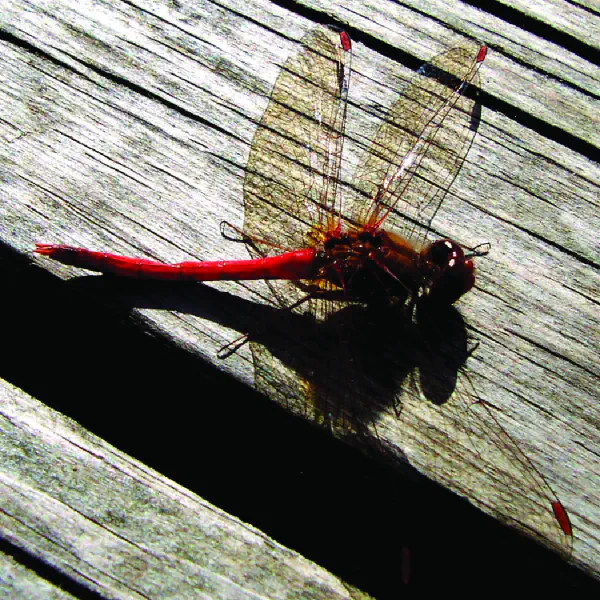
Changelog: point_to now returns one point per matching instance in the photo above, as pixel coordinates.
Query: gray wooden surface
(126, 128)
(126, 531)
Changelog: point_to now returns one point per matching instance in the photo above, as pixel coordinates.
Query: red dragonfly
(296, 198)
(356, 256)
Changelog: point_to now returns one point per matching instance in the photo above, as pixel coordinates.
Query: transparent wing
(292, 199)
(470, 450)
(419, 148)
(496, 472)
(291, 188)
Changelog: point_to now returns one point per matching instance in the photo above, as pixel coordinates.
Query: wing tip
(345, 41)
(482, 53)
(562, 517)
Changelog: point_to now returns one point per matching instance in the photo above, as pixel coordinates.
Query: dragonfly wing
(419, 148)
(468, 448)
(501, 477)
(291, 200)
(291, 191)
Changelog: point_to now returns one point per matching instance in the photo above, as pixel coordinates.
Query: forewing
(501, 477)
(471, 452)
(292, 199)
(419, 148)
(291, 191)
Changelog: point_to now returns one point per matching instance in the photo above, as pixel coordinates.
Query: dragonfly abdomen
(299, 264)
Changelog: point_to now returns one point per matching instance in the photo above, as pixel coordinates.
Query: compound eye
(455, 275)
(445, 253)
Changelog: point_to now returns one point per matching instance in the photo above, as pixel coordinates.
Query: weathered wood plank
(575, 19)
(525, 71)
(123, 530)
(127, 130)
(17, 581)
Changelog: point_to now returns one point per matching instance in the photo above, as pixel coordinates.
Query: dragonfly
(320, 241)
(359, 257)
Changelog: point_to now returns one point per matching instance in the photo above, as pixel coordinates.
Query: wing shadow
(341, 373)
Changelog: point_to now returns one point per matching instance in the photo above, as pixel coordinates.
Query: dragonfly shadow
(341, 373)
(376, 356)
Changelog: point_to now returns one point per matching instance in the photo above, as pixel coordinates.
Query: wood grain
(68, 499)
(126, 128)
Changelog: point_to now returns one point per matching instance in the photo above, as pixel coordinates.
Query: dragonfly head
(452, 273)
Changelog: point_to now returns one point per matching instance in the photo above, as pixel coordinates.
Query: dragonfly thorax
(369, 266)
(374, 266)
